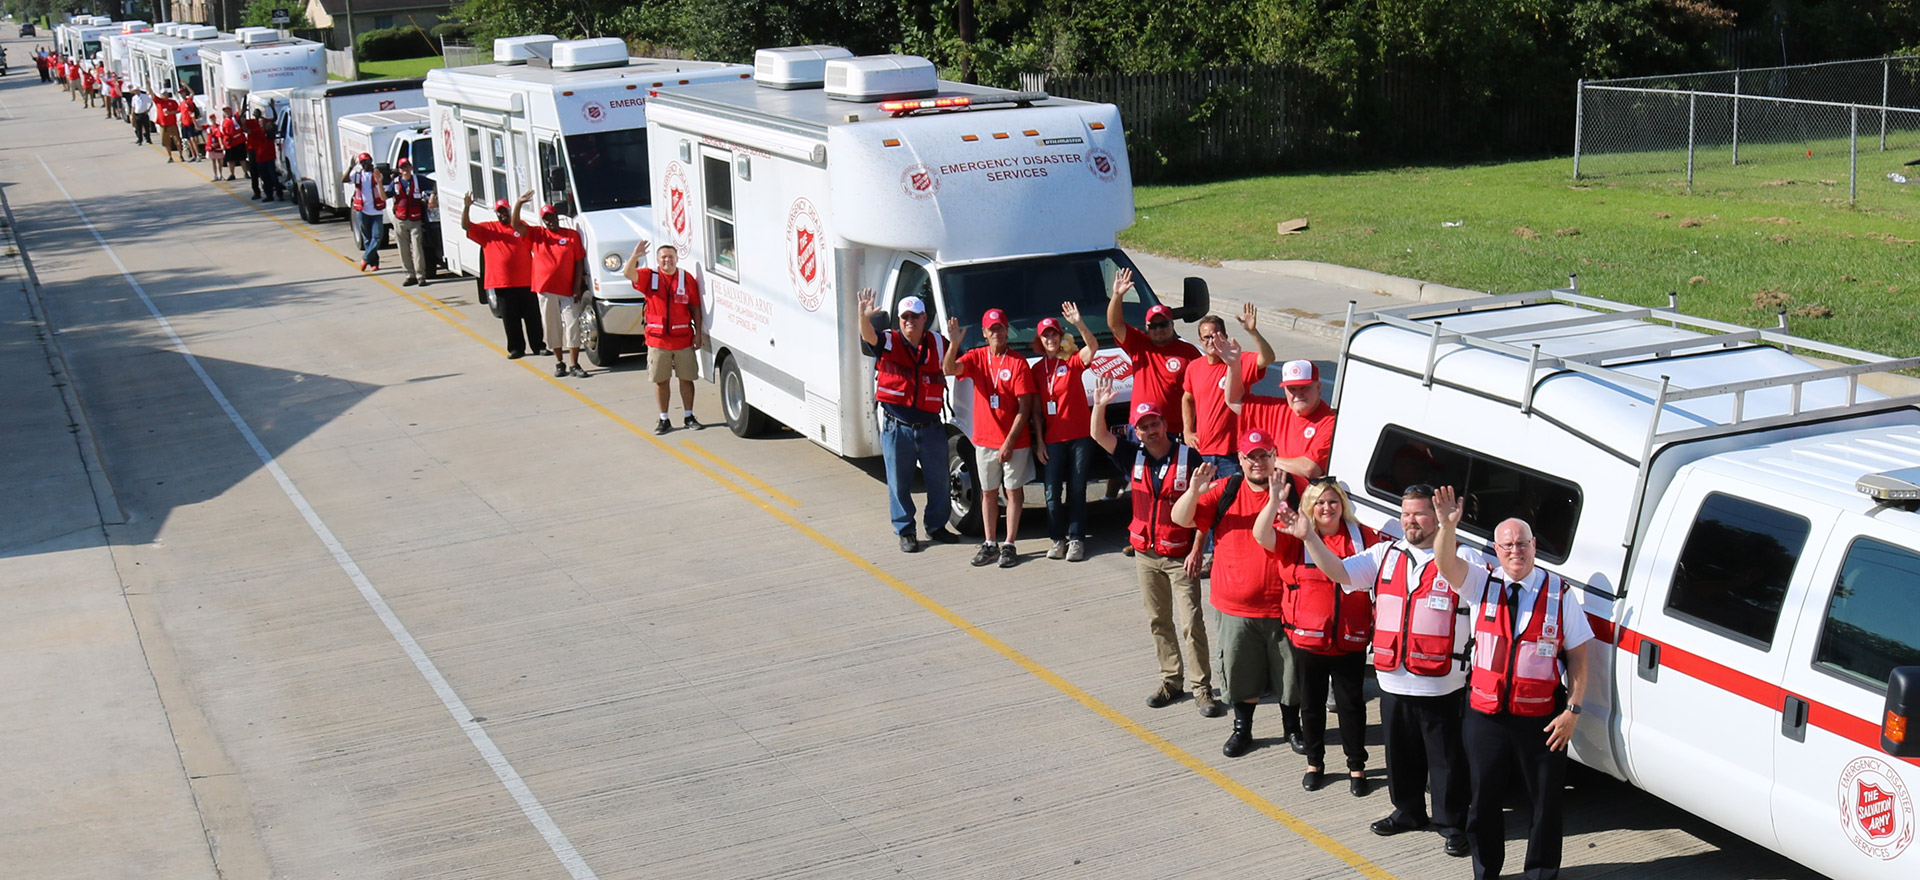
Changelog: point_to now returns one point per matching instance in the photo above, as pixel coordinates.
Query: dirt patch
(1889, 238)
(1771, 300)
(1689, 222)
(1525, 232)
(1567, 232)
(1813, 310)
(1780, 220)
(1661, 215)
(1780, 183)
(1779, 239)
(1697, 279)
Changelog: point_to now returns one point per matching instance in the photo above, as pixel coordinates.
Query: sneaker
(1127, 550)
(986, 555)
(663, 427)
(1058, 550)
(1008, 558)
(1168, 693)
(692, 424)
(559, 368)
(576, 372)
(1076, 550)
(909, 543)
(1209, 707)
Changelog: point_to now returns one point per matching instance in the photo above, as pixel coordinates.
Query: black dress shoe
(909, 543)
(1238, 743)
(1299, 745)
(1457, 846)
(942, 536)
(1357, 786)
(1388, 827)
(1313, 780)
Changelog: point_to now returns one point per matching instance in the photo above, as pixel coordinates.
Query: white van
(1743, 524)
(116, 51)
(315, 157)
(566, 119)
(171, 59)
(828, 174)
(258, 59)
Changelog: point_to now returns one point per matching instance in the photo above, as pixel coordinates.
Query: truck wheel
(963, 486)
(308, 200)
(602, 350)
(742, 419)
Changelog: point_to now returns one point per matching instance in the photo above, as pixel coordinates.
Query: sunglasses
(1328, 480)
(1159, 325)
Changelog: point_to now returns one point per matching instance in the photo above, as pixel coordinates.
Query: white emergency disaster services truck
(115, 50)
(1742, 524)
(828, 174)
(80, 37)
(171, 59)
(565, 119)
(316, 159)
(389, 136)
(258, 59)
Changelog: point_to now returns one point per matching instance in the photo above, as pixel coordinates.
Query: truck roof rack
(1604, 365)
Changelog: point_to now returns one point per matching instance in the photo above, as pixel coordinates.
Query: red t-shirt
(1214, 425)
(188, 112)
(1309, 436)
(998, 383)
(1063, 397)
(164, 110)
(1246, 581)
(555, 255)
(1157, 370)
(504, 258)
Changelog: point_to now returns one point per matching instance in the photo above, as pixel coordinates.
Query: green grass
(401, 68)
(1745, 237)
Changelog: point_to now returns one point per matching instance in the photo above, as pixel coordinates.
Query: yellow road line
(1295, 824)
(750, 479)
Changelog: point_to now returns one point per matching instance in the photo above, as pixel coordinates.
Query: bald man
(1523, 694)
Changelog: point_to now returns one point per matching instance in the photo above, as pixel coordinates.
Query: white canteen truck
(828, 174)
(1742, 524)
(80, 38)
(116, 52)
(389, 136)
(170, 59)
(316, 158)
(567, 120)
(258, 59)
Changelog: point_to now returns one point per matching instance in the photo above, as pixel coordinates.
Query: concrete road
(302, 578)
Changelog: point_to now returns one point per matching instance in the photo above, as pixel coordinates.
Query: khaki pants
(1172, 595)
(412, 237)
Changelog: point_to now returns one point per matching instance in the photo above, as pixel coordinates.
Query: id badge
(1440, 603)
(1545, 649)
(1053, 407)
(993, 401)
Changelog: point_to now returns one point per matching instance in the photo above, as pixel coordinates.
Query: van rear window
(1491, 489)
(1873, 621)
(1734, 569)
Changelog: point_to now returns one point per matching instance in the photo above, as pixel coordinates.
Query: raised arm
(1300, 526)
(466, 213)
(520, 225)
(867, 310)
(1071, 312)
(1188, 503)
(1250, 321)
(1116, 316)
(1263, 530)
(950, 362)
(1097, 421)
(632, 269)
(1236, 386)
(1446, 509)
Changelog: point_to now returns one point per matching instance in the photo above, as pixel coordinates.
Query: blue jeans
(902, 446)
(1067, 464)
(370, 228)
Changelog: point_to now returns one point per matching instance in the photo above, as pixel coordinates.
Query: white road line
(536, 814)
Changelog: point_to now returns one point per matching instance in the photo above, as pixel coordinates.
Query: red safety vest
(1153, 527)
(1525, 681)
(406, 199)
(1322, 617)
(911, 378)
(676, 324)
(1413, 628)
(379, 198)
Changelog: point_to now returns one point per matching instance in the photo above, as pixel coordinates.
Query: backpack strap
(1228, 493)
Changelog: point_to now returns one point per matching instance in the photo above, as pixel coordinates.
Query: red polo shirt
(1309, 436)
(504, 255)
(1157, 370)
(556, 253)
(999, 381)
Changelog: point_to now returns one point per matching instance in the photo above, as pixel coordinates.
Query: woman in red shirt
(1060, 429)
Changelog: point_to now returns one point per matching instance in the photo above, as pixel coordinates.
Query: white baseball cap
(914, 305)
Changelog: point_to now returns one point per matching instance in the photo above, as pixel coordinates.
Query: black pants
(142, 128)
(520, 313)
(1346, 674)
(1423, 750)
(1497, 747)
(266, 180)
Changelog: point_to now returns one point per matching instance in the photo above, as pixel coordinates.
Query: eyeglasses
(1513, 546)
(1258, 455)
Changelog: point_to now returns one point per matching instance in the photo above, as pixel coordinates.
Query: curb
(1334, 326)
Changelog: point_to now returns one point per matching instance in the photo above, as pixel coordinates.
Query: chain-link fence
(1840, 131)
(460, 53)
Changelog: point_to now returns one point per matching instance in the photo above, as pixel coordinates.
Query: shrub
(392, 44)
(451, 30)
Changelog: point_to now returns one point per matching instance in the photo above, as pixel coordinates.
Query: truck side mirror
(1194, 300)
(1903, 705)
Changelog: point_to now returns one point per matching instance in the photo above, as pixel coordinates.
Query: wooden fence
(1236, 120)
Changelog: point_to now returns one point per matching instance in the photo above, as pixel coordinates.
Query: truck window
(913, 280)
(476, 166)
(1492, 490)
(497, 164)
(1873, 621)
(190, 77)
(1033, 288)
(1735, 566)
(553, 178)
(716, 171)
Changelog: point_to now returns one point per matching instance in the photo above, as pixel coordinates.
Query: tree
(259, 13)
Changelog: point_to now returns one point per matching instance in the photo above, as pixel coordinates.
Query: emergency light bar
(960, 102)
(1900, 485)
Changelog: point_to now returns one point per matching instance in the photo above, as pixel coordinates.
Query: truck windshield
(190, 78)
(609, 169)
(1031, 289)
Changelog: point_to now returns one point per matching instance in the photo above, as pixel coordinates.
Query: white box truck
(116, 51)
(81, 38)
(566, 119)
(826, 175)
(1742, 525)
(171, 59)
(389, 136)
(315, 157)
(257, 59)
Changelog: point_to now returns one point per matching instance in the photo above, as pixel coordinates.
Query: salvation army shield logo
(446, 135)
(675, 183)
(594, 112)
(1876, 810)
(803, 254)
(1006, 375)
(919, 181)
(1101, 163)
(1173, 365)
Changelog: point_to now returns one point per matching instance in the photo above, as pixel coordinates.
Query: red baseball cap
(992, 317)
(1143, 410)
(501, 205)
(548, 210)
(364, 157)
(1047, 324)
(1297, 373)
(1159, 312)
(403, 163)
(1257, 439)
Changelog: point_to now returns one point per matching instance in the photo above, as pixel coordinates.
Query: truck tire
(742, 419)
(602, 349)
(963, 485)
(307, 198)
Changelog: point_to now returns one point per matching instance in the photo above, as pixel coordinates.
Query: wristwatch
(1574, 708)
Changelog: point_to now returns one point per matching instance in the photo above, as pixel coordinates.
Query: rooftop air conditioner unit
(590, 54)
(516, 50)
(795, 67)
(199, 32)
(254, 36)
(133, 27)
(872, 78)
